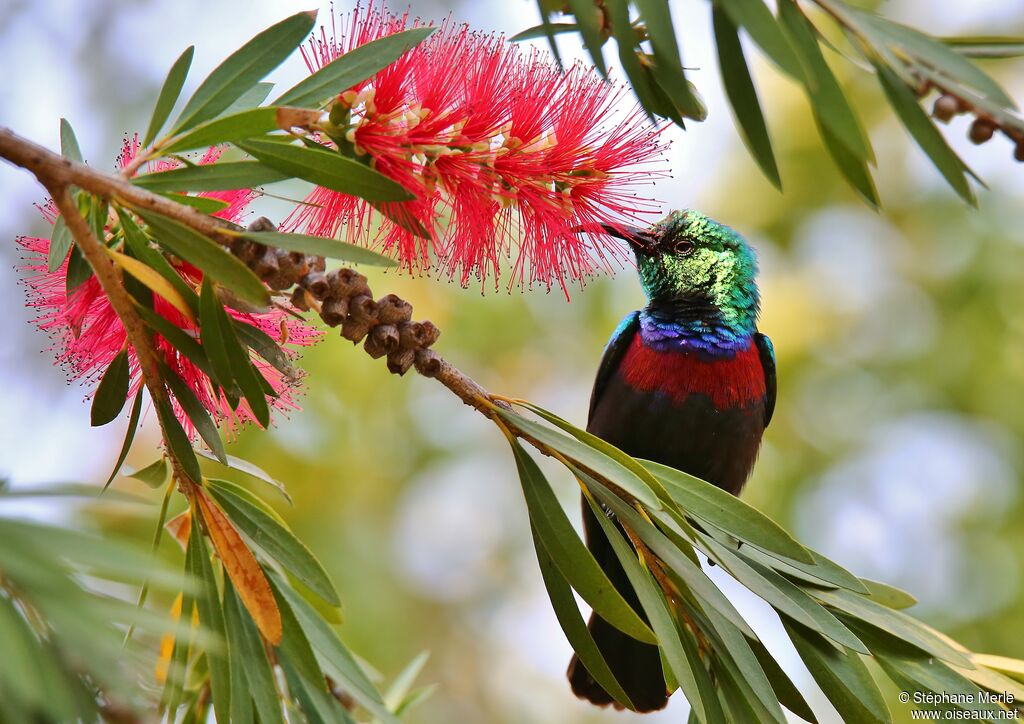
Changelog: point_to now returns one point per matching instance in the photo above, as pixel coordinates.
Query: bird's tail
(635, 664)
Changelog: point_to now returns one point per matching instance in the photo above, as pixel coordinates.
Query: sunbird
(687, 382)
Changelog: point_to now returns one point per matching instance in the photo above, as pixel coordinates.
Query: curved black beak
(640, 239)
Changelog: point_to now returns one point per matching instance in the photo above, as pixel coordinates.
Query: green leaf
(893, 622)
(586, 14)
(211, 316)
(294, 644)
(219, 338)
(250, 99)
(854, 170)
(265, 346)
(742, 95)
(784, 596)
(181, 340)
(351, 68)
(650, 95)
(211, 618)
(335, 658)
(112, 392)
(78, 272)
(822, 573)
(785, 690)
(543, 31)
(587, 456)
(574, 561)
(888, 596)
(225, 176)
(154, 475)
(169, 94)
(676, 647)
(723, 510)
(932, 53)
(924, 132)
(320, 246)
(245, 639)
(69, 147)
(178, 442)
(326, 168)
(243, 69)
(196, 412)
(249, 469)
(60, 243)
(278, 542)
(224, 129)
(175, 682)
(210, 257)
(129, 436)
(202, 204)
(755, 17)
(317, 704)
(913, 671)
(842, 675)
(986, 46)
(828, 101)
(137, 242)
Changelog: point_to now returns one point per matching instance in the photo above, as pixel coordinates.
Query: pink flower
(508, 157)
(87, 334)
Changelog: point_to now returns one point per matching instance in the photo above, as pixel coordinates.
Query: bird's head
(688, 258)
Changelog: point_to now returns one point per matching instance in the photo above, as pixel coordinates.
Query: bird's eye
(683, 247)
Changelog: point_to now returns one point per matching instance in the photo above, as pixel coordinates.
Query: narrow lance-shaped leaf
(725, 511)
(211, 618)
(112, 392)
(326, 168)
(137, 242)
(69, 147)
(743, 96)
(755, 17)
(153, 281)
(235, 127)
(278, 541)
(828, 101)
(196, 412)
(225, 176)
(786, 691)
(842, 675)
(214, 343)
(78, 272)
(574, 561)
(129, 436)
(202, 204)
(177, 441)
(544, 30)
(336, 660)
(678, 650)
(251, 470)
(321, 246)
(169, 94)
(353, 67)
(244, 68)
(60, 243)
(242, 568)
(575, 628)
(253, 659)
(924, 132)
(209, 256)
(586, 14)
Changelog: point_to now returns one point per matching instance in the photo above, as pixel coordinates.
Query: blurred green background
(895, 448)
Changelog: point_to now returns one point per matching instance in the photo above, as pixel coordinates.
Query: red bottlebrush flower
(87, 334)
(512, 154)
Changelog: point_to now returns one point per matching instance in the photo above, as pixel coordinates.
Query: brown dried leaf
(242, 568)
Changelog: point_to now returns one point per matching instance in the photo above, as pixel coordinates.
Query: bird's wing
(767, 354)
(614, 351)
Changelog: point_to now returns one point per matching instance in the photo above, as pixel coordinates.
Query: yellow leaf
(167, 644)
(242, 568)
(154, 281)
(1013, 667)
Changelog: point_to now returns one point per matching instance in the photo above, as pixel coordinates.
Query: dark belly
(692, 435)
